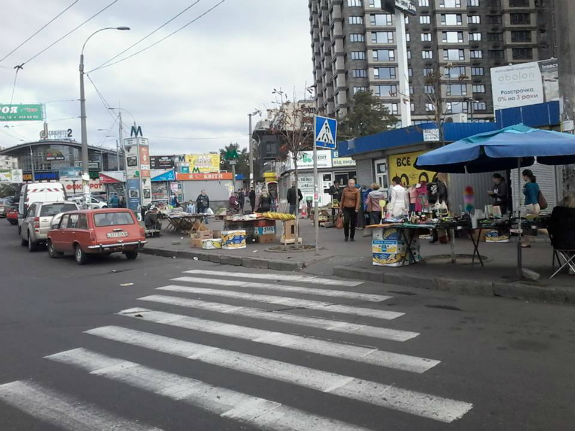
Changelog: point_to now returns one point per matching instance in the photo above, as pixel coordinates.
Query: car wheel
(52, 251)
(23, 242)
(31, 244)
(79, 256)
(131, 255)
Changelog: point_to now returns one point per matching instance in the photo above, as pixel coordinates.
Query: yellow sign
(203, 163)
(402, 166)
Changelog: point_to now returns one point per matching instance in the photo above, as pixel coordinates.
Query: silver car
(38, 219)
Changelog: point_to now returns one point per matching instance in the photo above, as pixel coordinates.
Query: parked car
(12, 215)
(95, 202)
(38, 192)
(101, 231)
(4, 206)
(38, 221)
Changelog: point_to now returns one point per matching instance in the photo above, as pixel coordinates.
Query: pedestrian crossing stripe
(325, 132)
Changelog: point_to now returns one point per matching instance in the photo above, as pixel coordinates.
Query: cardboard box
(265, 230)
(202, 234)
(211, 244)
(217, 234)
(233, 239)
(267, 238)
(196, 243)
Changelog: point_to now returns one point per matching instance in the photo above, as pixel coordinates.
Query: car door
(82, 233)
(71, 232)
(28, 220)
(57, 235)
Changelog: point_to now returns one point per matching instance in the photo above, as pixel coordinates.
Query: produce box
(202, 234)
(267, 238)
(233, 239)
(387, 259)
(196, 243)
(211, 244)
(217, 234)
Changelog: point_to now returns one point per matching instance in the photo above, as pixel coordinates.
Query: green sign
(231, 154)
(21, 112)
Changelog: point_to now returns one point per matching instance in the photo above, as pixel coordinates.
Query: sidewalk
(353, 260)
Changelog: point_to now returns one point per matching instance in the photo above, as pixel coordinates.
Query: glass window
(520, 18)
(429, 107)
(518, 3)
(454, 72)
(72, 221)
(427, 71)
(475, 36)
(359, 73)
(454, 54)
(521, 36)
(382, 37)
(383, 54)
(82, 222)
(381, 19)
(456, 107)
(449, 3)
(354, 3)
(495, 37)
(113, 219)
(424, 19)
(476, 53)
(477, 71)
(478, 88)
(358, 55)
(452, 36)
(64, 221)
(356, 37)
(424, 3)
(479, 106)
(357, 89)
(384, 73)
(456, 90)
(53, 209)
(429, 89)
(496, 53)
(386, 90)
(392, 108)
(426, 37)
(473, 3)
(427, 54)
(375, 3)
(355, 20)
(451, 19)
(474, 19)
(522, 53)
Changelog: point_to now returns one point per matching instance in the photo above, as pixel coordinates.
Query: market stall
(258, 227)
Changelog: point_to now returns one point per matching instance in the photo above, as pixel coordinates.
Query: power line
(162, 39)
(147, 36)
(101, 97)
(38, 31)
(18, 68)
(70, 32)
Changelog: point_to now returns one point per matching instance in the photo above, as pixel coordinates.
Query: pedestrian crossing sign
(325, 132)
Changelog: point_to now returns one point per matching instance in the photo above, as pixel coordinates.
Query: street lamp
(250, 148)
(85, 175)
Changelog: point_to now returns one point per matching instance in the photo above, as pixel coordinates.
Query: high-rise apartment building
(355, 48)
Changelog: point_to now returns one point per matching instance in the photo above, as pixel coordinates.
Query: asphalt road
(186, 358)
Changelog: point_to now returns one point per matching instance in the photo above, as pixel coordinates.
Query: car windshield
(53, 209)
(113, 219)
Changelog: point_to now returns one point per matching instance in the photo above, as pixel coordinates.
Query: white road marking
(282, 277)
(63, 410)
(412, 402)
(313, 322)
(227, 403)
(286, 301)
(286, 288)
(368, 355)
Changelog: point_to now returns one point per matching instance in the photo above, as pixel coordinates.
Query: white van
(38, 192)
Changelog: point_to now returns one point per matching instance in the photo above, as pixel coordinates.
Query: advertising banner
(6, 176)
(144, 161)
(204, 177)
(161, 162)
(402, 166)
(203, 163)
(51, 154)
(305, 160)
(75, 186)
(133, 194)
(21, 112)
(74, 173)
(516, 85)
(17, 176)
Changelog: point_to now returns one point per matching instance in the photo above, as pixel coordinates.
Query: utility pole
(252, 179)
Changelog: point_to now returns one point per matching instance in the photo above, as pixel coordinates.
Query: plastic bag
(339, 222)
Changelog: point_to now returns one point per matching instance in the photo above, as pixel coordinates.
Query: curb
(515, 290)
(248, 262)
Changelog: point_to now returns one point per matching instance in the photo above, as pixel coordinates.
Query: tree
(367, 115)
(8, 189)
(242, 162)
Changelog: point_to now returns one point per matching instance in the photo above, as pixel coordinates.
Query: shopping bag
(339, 222)
(542, 201)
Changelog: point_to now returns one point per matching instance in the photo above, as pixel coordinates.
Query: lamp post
(85, 175)
(251, 150)
(121, 146)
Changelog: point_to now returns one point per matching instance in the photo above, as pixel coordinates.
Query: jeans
(349, 222)
(375, 217)
(292, 208)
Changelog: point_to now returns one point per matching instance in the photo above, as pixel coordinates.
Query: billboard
(402, 166)
(203, 163)
(305, 159)
(524, 84)
(51, 154)
(21, 112)
(161, 162)
(204, 177)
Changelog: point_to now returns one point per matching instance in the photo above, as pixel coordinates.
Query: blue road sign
(325, 132)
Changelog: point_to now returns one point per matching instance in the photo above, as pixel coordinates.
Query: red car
(101, 231)
(12, 215)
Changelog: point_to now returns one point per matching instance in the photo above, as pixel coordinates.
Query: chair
(562, 234)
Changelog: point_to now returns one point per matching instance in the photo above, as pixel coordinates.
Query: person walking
(294, 198)
(349, 205)
(399, 203)
(531, 192)
(374, 199)
(241, 200)
(114, 201)
(252, 198)
(498, 193)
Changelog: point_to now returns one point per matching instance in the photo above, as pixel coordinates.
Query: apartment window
(449, 3)
(453, 54)
(382, 37)
(411, 91)
(479, 106)
(427, 71)
(451, 19)
(493, 19)
(412, 107)
(358, 55)
(407, 37)
(475, 36)
(392, 108)
(456, 90)
(454, 72)
(518, 3)
(478, 88)
(472, 3)
(427, 53)
(409, 72)
(386, 90)
(520, 18)
(375, 3)
(356, 37)
(426, 37)
(423, 3)
(357, 89)
(429, 89)
(477, 71)
(409, 54)
(452, 36)
(355, 20)
(381, 19)
(424, 19)
(429, 107)
(497, 54)
(476, 53)
(474, 19)
(384, 73)
(406, 19)
(520, 36)
(384, 55)
(354, 3)
(522, 53)
(495, 37)
(456, 107)
(359, 73)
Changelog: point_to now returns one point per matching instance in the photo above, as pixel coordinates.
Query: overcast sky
(190, 93)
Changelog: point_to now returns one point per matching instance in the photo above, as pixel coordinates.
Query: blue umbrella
(501, 149)
(508, 148)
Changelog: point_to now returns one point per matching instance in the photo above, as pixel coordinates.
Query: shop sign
(305, 159)
(403, 166)
(6, 176)
(17, 176)
(203, 163)
(56, 134)
(430, 135)
(51, 154)
(75, 186)
(340, 162)
(204, 177)
(161, 162)
(71, 173)
(21, 112)
(144, 153)
(39, 176)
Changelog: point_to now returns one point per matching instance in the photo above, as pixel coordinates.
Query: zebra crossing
(205, 317)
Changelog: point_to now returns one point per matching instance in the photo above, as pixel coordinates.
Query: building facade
(354, 45)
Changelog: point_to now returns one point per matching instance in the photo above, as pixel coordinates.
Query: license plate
(116, 234)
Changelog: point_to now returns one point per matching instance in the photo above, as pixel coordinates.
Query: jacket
(350, 198)
(291, 196)
(531, 192)
(202, 202)
(399, 201)
(499, 195)
(373, 199)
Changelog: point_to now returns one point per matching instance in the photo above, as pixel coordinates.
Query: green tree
(242, 162)
(367, 115)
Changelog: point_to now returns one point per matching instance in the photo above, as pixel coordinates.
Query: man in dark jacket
(499, 193)
(252, 198)
(293, 198)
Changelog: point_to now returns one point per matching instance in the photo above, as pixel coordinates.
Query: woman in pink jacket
(373, 203)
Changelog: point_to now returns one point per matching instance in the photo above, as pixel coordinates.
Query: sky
(190, 93)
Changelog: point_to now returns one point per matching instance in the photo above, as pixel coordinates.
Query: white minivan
(38, 192)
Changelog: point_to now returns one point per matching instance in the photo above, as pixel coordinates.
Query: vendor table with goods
(259, 227)
(183, 222)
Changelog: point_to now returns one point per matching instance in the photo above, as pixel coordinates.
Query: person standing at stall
(202, 204)
(374, 200)
(438, 198)
(241, 200)
(349, 205)
(399, 202)
(294, 198)
(531, 192)
(499, 193)
(252, 198)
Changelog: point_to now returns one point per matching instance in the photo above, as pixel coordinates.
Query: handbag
(542, 201)
(339, 222)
